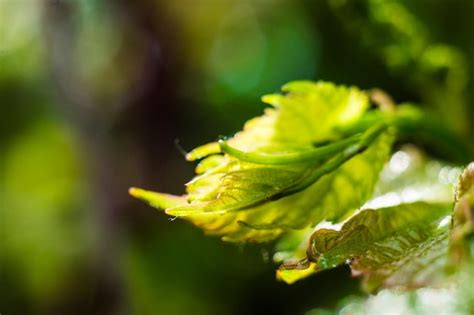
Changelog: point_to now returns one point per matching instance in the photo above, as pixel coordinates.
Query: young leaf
(271, 178)
(404, 246)
(408, 177)
(399, 246)
(455, 296)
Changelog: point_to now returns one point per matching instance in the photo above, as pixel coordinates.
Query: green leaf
(203, 151)
(408, 177)
(291, 157)
(401, 246)
(416, 257)
(157, 200)
(271, 178)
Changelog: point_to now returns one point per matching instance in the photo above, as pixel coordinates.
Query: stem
(313, 155)
(367, 138)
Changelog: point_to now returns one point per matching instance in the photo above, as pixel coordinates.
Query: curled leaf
(401, 246)
(270, 177)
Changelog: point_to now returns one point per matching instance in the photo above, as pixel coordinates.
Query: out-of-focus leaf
(410, 176)
(251, 200)
(43, 226)
(463, 219)
(424, 301)
(393, 34)
(401, 246)
(461, 242)
(20, 46)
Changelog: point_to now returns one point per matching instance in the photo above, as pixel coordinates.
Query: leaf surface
(277, 177)
(401, 246)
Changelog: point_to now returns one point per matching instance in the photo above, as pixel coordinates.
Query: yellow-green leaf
(272, 178)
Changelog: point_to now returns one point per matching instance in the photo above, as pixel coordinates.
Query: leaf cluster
(310, 172)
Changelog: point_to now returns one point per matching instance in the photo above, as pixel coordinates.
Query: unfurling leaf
(275, 175)
(315, 159)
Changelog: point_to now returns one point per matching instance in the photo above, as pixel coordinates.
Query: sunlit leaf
(408, 177)
(155, 199)
(454, 294)
(271, 177)
(400, 246)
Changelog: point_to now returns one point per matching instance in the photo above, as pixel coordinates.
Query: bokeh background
(100, 95)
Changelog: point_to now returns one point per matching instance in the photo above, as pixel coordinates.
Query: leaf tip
(295, 273)
(203, 151)
(156, 199)
(135, 192)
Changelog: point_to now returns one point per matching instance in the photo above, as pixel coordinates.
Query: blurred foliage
(94, 93)
(260, 61)
(20, 40)
(44, 231)
(406, 48)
